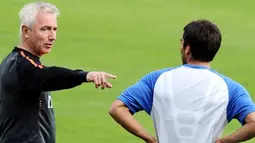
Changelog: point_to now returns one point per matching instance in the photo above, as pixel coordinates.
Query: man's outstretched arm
(121, 114)
(42, 78)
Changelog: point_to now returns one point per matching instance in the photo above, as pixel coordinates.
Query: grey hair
(28, 13)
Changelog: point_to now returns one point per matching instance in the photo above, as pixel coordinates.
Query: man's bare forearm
(245, 133)
(127, 121)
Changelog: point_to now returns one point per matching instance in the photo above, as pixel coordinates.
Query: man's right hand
(100, 79)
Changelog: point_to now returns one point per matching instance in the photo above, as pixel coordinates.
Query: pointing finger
(107, 75)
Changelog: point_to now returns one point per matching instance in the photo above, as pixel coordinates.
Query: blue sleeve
(139, 96)
(240, 102)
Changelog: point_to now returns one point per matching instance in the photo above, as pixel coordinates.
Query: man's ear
(25, 31)
(187, 50)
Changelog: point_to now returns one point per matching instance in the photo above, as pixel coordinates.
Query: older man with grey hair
(26, 110)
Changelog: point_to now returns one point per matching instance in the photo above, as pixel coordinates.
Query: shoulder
(26, 62)
(234, 87)
(151, 77)
(10, 62)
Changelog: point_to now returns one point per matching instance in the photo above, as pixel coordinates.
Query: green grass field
(130, 38)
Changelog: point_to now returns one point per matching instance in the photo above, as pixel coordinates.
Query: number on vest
(50, 105)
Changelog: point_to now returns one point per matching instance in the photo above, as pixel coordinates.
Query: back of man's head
(204, 39)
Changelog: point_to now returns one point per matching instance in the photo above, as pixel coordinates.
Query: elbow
(117, 109)
(113, 110)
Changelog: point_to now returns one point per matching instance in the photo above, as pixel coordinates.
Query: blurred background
(130, 38)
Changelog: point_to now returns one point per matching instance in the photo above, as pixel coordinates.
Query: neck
(199, 63)
(28, 48)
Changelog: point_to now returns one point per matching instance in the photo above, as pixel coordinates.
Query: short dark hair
(204, 39)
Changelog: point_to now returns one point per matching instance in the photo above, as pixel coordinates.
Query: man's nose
(52, 35)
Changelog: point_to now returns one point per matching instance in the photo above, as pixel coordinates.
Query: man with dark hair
(204, 44)
(191, 103)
